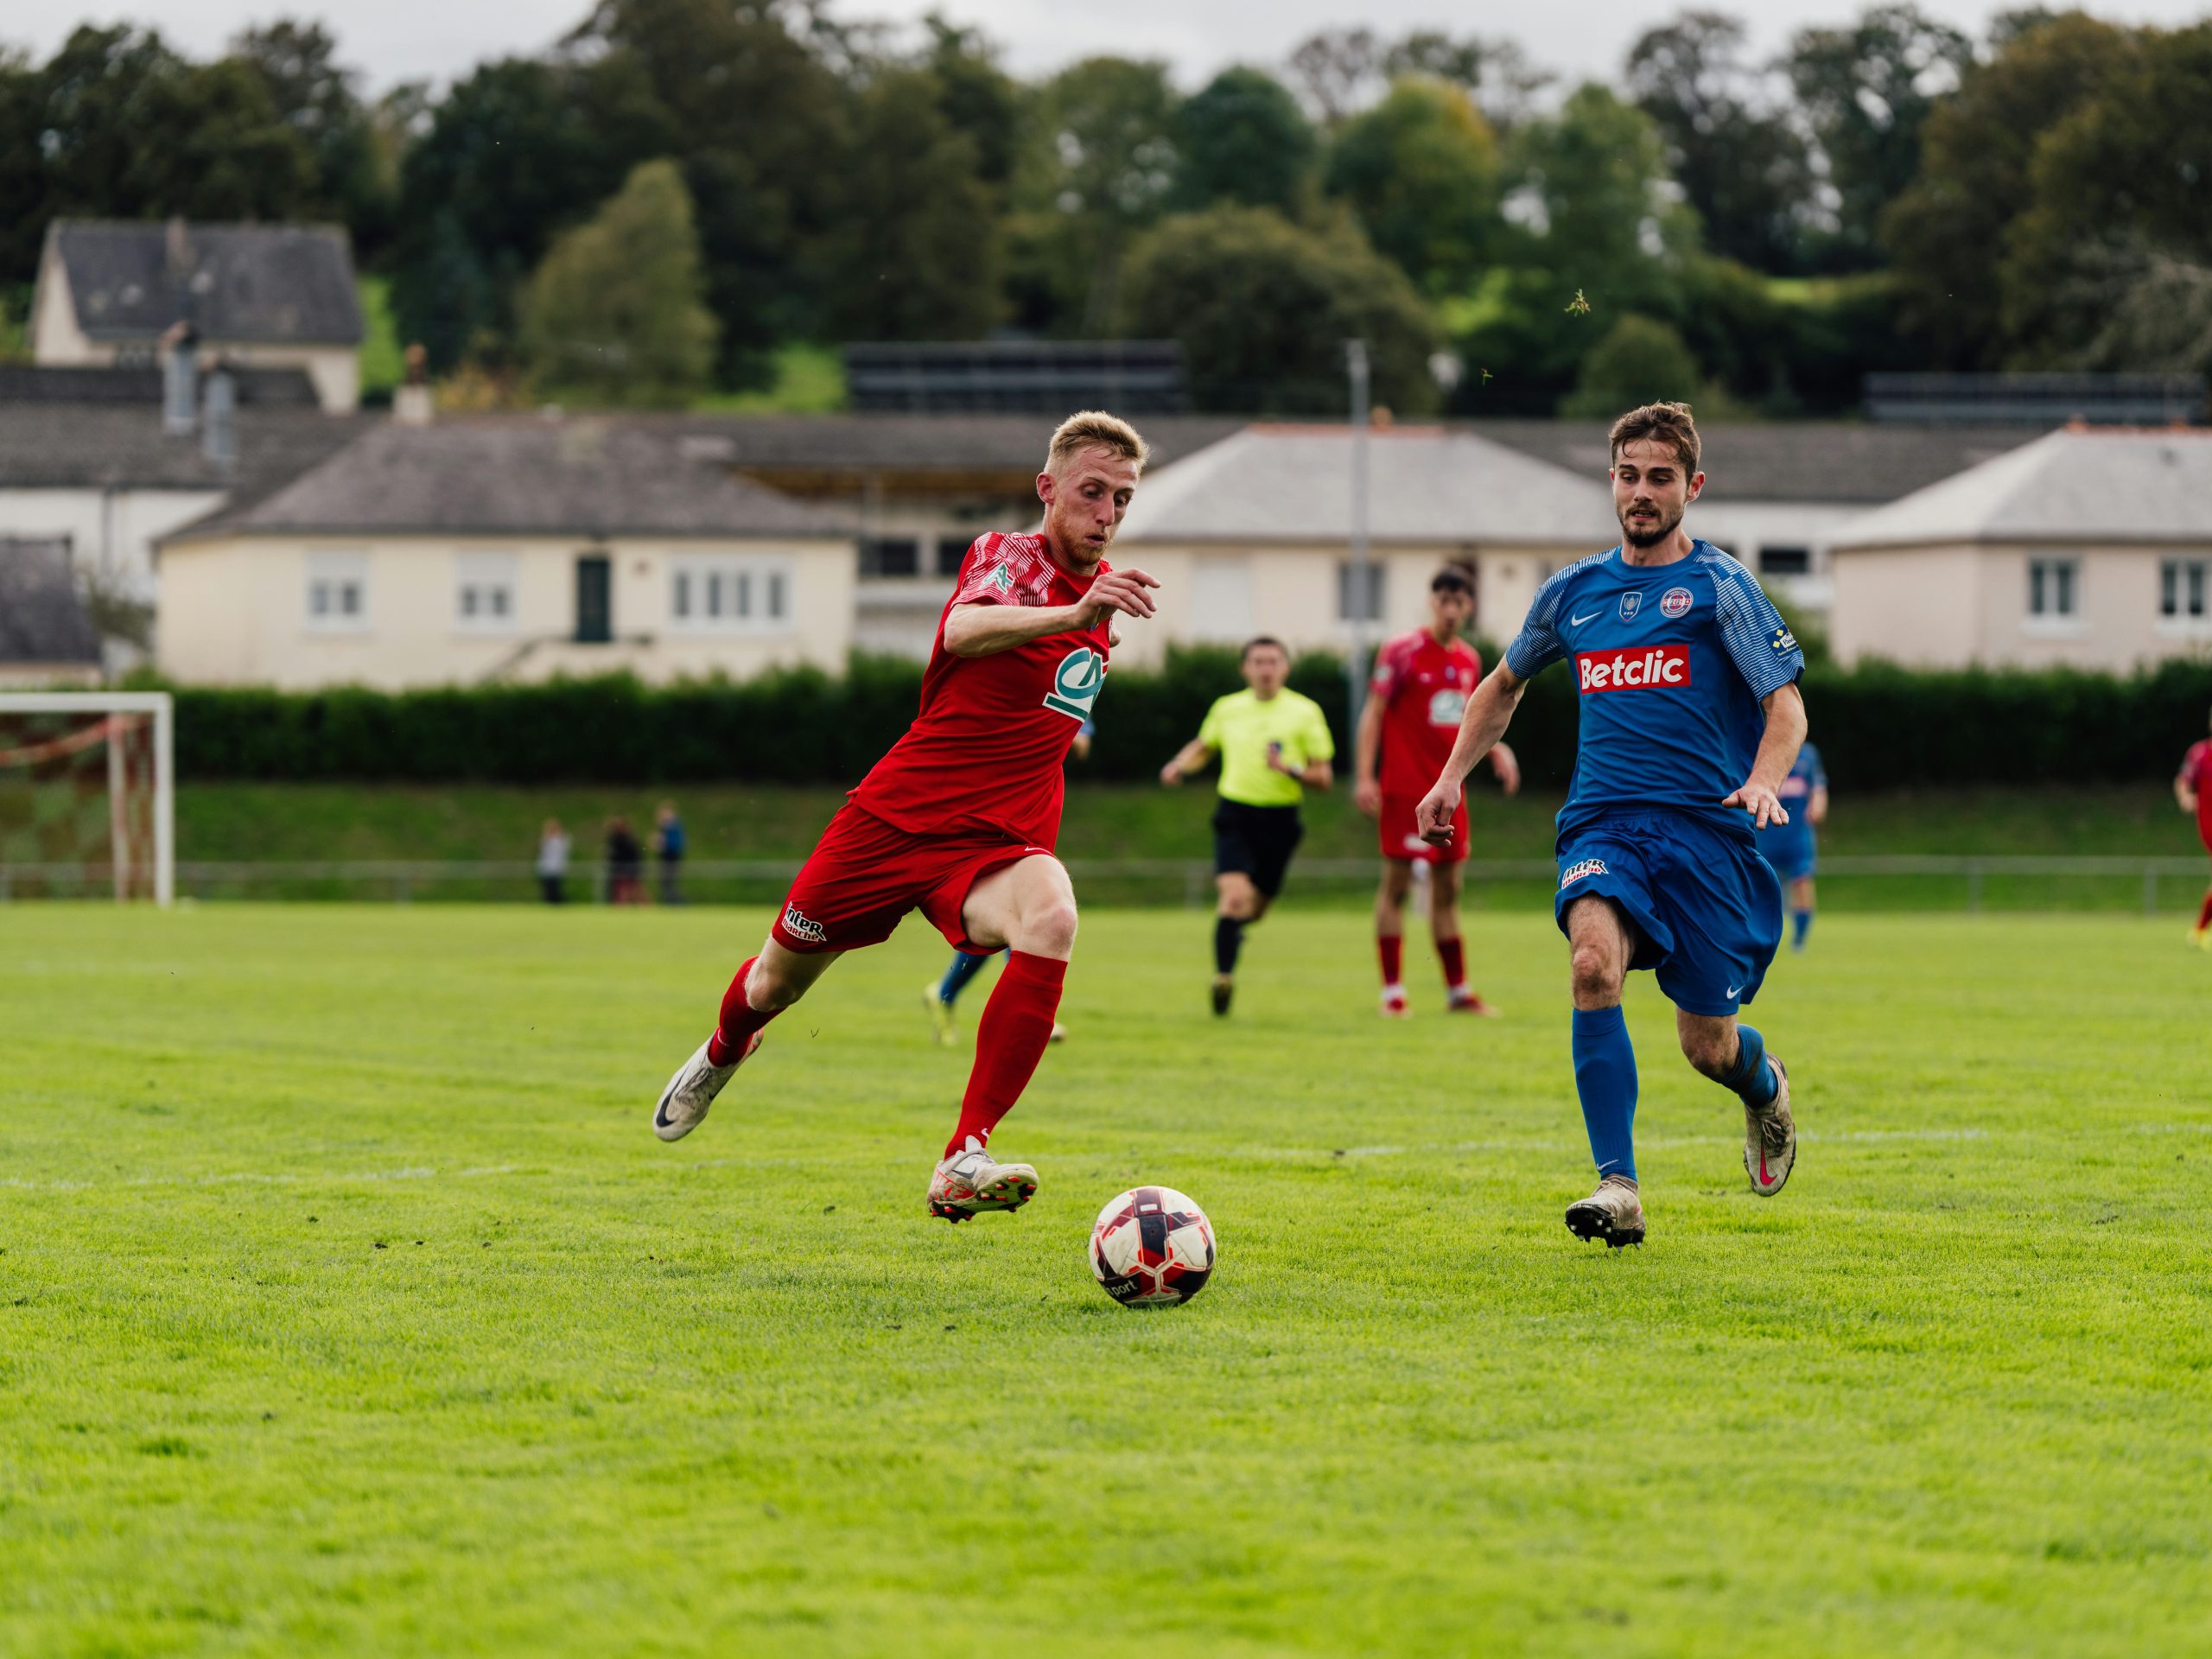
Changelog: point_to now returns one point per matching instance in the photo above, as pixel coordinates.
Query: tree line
(650, 209)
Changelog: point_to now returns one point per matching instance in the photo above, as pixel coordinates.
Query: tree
(615, 314)
(516, 152)
(315, 96)
(1420, 169)
(1242, 138)
(2106, 268)
(1743, 167)
(978, 98)
(1263, 308)
(1097, 162)
(915, 253)
(1639, 361)
(1344, 71)
(1977, 152)
(1865, 90)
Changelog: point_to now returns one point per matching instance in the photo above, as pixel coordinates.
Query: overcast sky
(437, 40)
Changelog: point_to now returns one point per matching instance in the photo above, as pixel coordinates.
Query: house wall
(112, 532)
(55, 337)
(235, 611)
(1950, 606)
(335, 370)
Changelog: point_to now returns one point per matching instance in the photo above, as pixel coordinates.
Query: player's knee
(1596, 974)
(770, 991)
(1048, 926)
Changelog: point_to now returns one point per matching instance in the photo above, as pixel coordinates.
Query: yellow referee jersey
(1239, 727)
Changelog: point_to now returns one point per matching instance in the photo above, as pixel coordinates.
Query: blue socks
(963, 968)
(1751, 1077)
(1605, 1078)
(1801, 924)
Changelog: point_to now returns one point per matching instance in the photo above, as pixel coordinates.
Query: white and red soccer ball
(1152, 1248)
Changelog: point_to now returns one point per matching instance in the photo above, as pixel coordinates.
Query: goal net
(87, 800)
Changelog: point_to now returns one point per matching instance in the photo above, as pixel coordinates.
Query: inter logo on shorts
(1574, 872)
(800, 925)
(1076, 682)
(1674, 601)
(1630, 604)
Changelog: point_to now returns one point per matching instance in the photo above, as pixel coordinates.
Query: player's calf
(1735, 1057)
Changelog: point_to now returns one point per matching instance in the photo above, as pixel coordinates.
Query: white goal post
(128, 724)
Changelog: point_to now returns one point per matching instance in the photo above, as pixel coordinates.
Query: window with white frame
(338, 591)
(2054, 590)
(726, 594)
(484, 593)
(1359, 592)
(2182, 583)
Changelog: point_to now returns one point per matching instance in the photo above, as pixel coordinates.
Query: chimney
(218, 442)
(411, 403)
(180, 378)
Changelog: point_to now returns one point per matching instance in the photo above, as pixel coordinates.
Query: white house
(252, 296)
(2091, 547)
(508, 547)
(1252, 534)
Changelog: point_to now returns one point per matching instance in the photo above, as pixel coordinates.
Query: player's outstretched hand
(1122, 591)
(1368, 798)
(1432, 817)
(1765, 806)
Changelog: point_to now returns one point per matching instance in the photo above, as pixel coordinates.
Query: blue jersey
(1672, 661)
(1786, 843)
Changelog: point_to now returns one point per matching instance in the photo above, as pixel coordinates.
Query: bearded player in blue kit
(1690, 719)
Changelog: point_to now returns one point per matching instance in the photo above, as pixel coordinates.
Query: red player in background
(1419, 689)
(958, 821)
(2193, 789)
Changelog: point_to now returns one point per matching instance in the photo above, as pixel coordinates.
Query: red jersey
(1424, 688)
(984, 755)
(2197, 772)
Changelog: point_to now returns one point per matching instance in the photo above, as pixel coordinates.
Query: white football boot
(970, 1182)
(682, 1105)
(1613, 1214)
(1771, 1137)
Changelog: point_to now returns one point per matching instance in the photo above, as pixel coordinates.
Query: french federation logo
(1076, 682)
(1630, 604)
(1574, 872)
(1674, 601)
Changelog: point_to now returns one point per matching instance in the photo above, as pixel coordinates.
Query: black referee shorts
(1255, 841)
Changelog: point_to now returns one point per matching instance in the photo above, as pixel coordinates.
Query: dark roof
(122, 446)
(575, 475)
(1786, 461)
(42, 617)
(902, 443)
(38, 383)
(267, 284)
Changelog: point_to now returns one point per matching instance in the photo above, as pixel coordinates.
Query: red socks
(739, 1020)
(1454, 954)
(1010, 1041)
(1393, 952)
(2205, 912)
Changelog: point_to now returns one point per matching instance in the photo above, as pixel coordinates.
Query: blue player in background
(1690, 720)
(1789, 845)
(939, 995)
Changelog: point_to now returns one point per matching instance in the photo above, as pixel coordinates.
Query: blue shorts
(1707, 908)
(1794, 858)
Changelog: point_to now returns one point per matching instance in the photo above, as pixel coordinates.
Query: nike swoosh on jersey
(1578, 620)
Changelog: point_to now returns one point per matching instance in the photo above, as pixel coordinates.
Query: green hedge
(1877, 726)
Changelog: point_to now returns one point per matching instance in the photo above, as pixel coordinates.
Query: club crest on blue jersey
(1674, 601)
(1785, 641)
(1630, 604)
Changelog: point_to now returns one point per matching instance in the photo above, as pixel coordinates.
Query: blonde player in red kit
(1419, 689)
(958, 821)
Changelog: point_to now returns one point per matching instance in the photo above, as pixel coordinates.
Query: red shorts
(864, 875)
(1400, 839)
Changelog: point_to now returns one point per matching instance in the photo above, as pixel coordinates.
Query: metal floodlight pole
(1363, 567)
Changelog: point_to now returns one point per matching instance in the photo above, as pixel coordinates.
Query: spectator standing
(626, 864)
(668, 847)
(553, 862)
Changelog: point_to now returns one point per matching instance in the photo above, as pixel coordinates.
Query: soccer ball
(1152, 1248)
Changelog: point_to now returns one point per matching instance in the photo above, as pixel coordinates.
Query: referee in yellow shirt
(1274, 745)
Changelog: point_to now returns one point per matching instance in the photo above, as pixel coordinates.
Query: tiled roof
(262, 284)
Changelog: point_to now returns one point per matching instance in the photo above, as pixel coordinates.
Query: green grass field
(348, 1306)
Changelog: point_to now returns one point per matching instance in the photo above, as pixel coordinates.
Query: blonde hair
(1668, 424)
(1095, 429)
